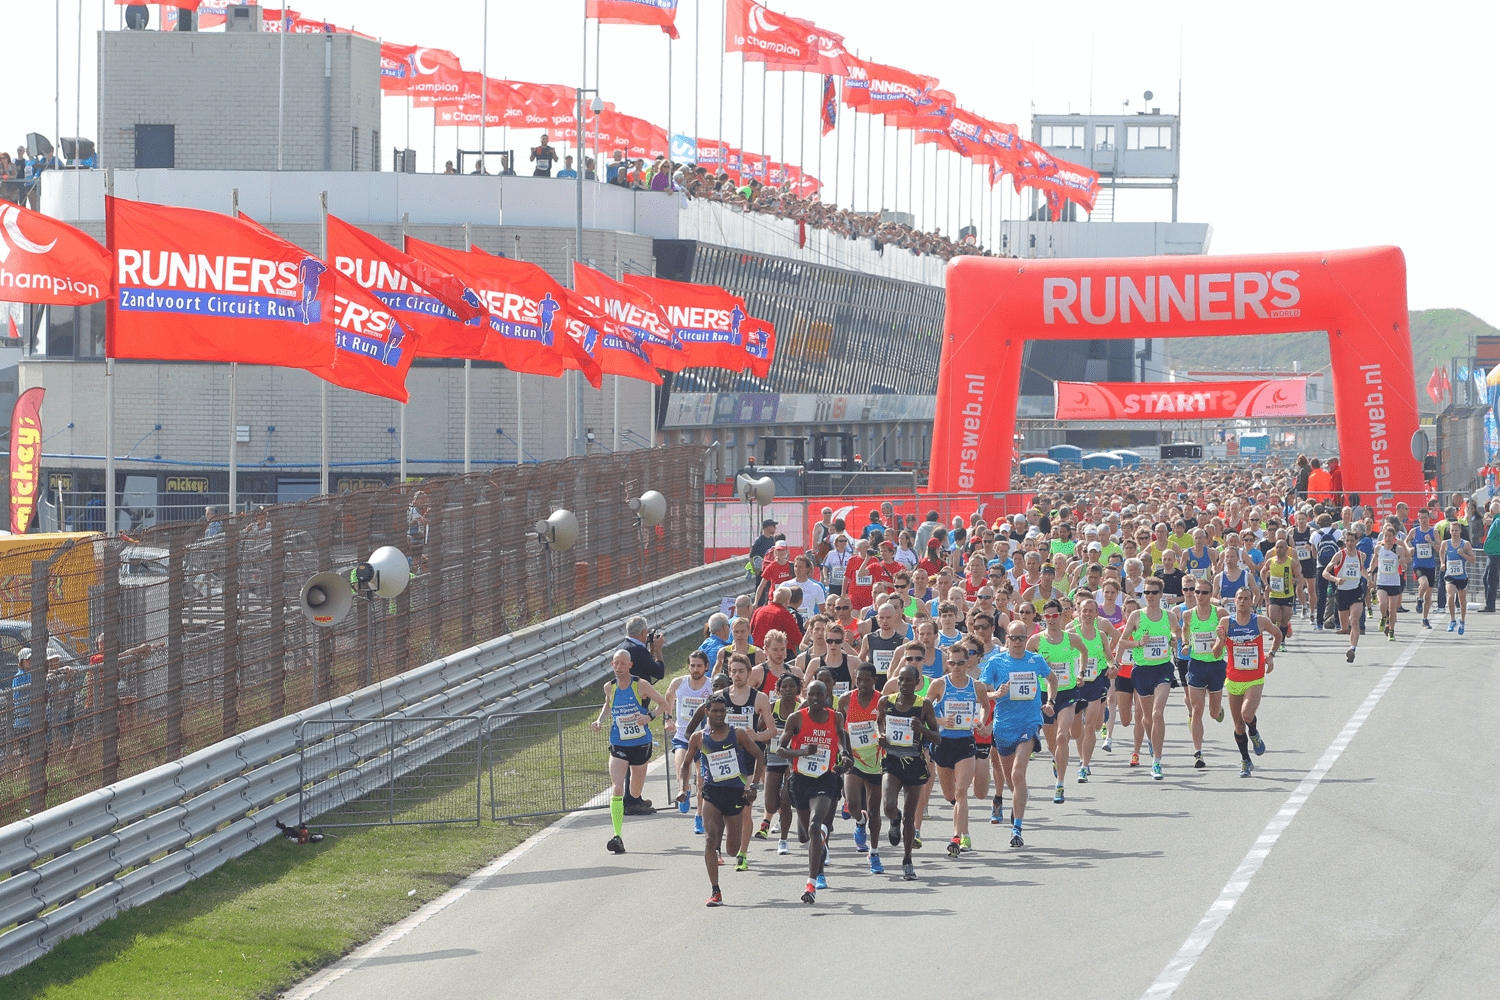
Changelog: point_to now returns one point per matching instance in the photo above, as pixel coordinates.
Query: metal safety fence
(188, 633)
(389, 772)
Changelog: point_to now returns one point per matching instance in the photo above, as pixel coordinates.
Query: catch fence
(168, 641)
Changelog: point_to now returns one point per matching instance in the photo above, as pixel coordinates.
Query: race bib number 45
(1023, 685)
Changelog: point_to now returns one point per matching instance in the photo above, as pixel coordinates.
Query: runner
(906, 722)
(778, 801)
(957, 699)
(750, 710)
(837, 660)
(1307, 561)
(1061, 650)
(1099, 638)
(1150, 629)
(1457, 555)
(813, 736)
(1205, 677)
(1242, 636)
(1282, 576)
(879, 647)
(861, 711)
(767, 676)
(627, 705)
(1424, 544)
(1390, 555)
(1016, 677)
(724, 752)
(687, 694)
(1347, 571)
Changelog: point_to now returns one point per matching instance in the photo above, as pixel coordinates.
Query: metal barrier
(543, 763)
(135, 840)
(389, 772)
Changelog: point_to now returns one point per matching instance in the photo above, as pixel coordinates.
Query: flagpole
(281, 89)
(484, 96)
(724, 23)
(697, 58)
(110, 521)
(234, 213)
(802, 142)
(401, 461)
(468, 369)
(323, 383)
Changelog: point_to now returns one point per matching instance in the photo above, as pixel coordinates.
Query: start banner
(1281, 397)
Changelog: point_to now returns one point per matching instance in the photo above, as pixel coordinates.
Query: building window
(1104, 137)
(72, 332)
(1062, 136)
(375, 150)
(1148, 137)
(354, 150)
(155, 146)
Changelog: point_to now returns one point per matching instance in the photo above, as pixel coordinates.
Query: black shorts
(729, 801)
(1092, 691)
(634, 756)
(1428, 573)
(982, 750)
(1348, 598)
(873, 778)
(910, 771)
(1309, 570)
(1391, 589)
(1458, 582)
(804, 789)
(1282, 602)
(1066, 699)
(952, 749)
(1124, 684)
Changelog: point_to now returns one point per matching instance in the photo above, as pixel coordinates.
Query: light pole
(576, 446)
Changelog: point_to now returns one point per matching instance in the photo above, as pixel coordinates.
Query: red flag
(830, 108)
(44, 262)
(658, 12)
(527, 312)
(444, 313)
(614, 348)
(760, 346)
(396, 72)
(765, 36)
(827, 48)
(642, 317)
(707, 319)
(25, 457)
(898, 95)
(1435, 386)
(190, 285)
(434, 72)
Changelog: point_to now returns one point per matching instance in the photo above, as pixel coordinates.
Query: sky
(1306, 126)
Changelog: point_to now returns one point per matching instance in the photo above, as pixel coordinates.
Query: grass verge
(266, 920)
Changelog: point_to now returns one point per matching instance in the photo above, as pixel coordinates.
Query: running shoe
(742, 862)
(616, 845)
(953, 848)
(808, 896)
(916, 839)
(1460, 628)
(1109, 745)
(1245, 769)
(1016, 841)
(1390, 634)
(698, 825)
(1349, 656)
(894, 833)
(1057, 794)
(820, 882)
(1198, 760)
(1426, 623)
(782, 847)
(1220, 716)
(844, 809)
(684, 806)
(1156, 770)
(764, 832)
(1135, 760)
(1257, 743)
(965, 844)
(909, 872)
(716, 898)
(1452, 625)
(1083, 775)
(861, 839)
(876, 868)
(1317, 626)
(997, 814)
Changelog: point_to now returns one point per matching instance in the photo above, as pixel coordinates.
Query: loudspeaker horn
(392, 571)
(651, 507)
(759, 491)
(326, 598)
(558, 531)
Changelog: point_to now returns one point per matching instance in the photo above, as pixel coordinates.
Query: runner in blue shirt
(1016, 677)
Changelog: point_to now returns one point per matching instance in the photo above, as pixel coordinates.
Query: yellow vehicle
(72, 576)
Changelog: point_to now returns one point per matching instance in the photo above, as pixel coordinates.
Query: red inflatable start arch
(1357, 296)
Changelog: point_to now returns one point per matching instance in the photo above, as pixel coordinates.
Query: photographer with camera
(644, 645)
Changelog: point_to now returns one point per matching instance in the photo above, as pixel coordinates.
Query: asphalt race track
(1356, 862)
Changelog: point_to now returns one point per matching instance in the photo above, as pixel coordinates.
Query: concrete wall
(220, 90)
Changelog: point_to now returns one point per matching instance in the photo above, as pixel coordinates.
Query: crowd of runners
(892, 659)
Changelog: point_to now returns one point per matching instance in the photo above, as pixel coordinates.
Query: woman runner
(956, 699)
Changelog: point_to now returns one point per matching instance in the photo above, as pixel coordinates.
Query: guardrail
(86, 860)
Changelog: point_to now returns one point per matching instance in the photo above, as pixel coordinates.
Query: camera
(652, 636)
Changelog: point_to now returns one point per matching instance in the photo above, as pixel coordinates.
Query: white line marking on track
(324, 978)
(1198, 941)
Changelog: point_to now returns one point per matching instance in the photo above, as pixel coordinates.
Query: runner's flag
(527, 312)
(44, 262)
(190, 285)
(708, 320)
(642, 317)
(612, 346)
(765, 36)
(1435, 386)
(830, 104)
(444, 313)
(760, 346)
(662, 13)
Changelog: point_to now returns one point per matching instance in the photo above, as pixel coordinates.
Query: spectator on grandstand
(448, 167)
(644, 647)
(588, 169)
(567, 173)
(506, 170)
(478, 167)
(776, 615)
(615, 170)
(543, 156)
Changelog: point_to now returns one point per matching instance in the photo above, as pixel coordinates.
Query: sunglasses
(1028, 611)
(1052, 614)
(1015, 638)
(1153, 593)
(911, 659)
(986, 597)
(845, 607)
(1208, 593)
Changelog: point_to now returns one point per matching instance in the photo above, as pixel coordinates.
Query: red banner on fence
(1282, 397)
(25, 457)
